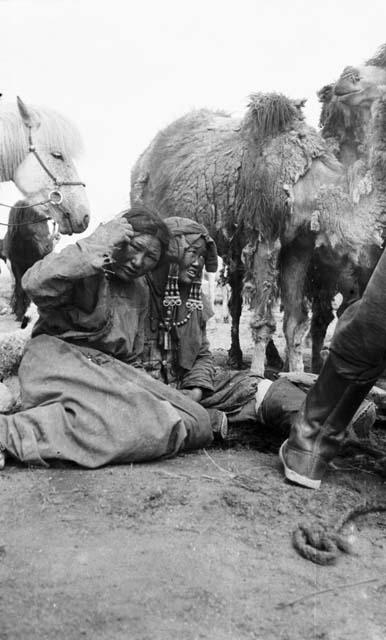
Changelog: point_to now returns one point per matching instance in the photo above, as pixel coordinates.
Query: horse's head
(47, 172)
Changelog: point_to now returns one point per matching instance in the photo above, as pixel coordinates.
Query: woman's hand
(195, 393)
(114, 234)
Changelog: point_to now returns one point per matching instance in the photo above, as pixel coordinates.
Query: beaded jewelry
(172, 300)
(194, 300)
(172, 296)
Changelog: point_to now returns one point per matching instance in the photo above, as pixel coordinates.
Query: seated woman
(83, 399)
(177, 350)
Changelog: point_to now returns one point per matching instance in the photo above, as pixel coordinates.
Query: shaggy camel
(353, 123)
(269, 189)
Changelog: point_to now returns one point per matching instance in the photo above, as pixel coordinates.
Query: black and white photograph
(192, 320)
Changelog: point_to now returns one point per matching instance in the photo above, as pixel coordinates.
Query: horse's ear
(29, 118)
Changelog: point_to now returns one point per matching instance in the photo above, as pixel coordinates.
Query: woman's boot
(320, 426)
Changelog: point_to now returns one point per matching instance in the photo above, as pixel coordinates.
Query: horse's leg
(264, 289)
(294, 263)
(235, 279)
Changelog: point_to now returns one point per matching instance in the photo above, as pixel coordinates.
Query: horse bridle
(55, 197)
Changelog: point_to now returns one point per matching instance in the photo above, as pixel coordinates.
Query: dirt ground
(186, 549)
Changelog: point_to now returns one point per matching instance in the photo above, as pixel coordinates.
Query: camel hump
(379, 59)
(270, 114)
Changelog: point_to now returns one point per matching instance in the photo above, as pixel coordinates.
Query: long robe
(82, 400)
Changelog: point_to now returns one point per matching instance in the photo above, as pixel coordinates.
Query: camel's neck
(378, 157)
(356, 141)
(364, 131)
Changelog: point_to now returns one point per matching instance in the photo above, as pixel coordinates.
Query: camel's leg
(294, 263)
(263, 324)
(273, 357)
(222, 303)
(322, 288)
(349, 284)
(343, 279)
(225, 303)
(235, 279)
(322, 315)
(331, 274)
(209, 288)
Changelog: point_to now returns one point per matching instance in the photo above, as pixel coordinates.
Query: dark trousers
(358, 348)
(281, 405)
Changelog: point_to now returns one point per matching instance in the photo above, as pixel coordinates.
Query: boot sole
(292, 476)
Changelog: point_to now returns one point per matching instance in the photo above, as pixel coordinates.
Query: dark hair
(146, 220)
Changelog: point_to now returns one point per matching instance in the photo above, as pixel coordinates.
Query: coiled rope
(321, 543)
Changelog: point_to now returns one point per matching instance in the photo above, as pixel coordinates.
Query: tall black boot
(320, 426)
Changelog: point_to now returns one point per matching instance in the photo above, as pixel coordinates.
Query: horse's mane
(55, 132)
(269, 114)
(20, 214)
(379, 59)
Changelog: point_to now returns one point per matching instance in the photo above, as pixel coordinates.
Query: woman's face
(136, 258)
(193, 262)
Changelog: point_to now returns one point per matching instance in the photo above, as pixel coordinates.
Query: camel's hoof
(235, 360)
(276, 364)
(235, 364)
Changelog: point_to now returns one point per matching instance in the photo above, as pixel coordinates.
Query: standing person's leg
(356, 359)
(284, 399)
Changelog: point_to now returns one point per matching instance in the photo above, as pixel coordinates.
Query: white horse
(37, 147)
